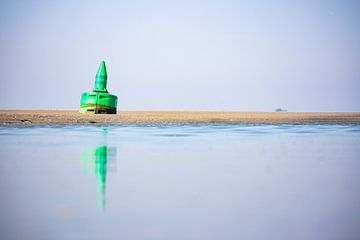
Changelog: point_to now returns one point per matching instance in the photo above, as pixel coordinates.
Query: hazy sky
(225, 55)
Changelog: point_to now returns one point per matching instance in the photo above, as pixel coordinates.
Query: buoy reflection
(99, 161)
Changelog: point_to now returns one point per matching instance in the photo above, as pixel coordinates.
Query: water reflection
(98, 161)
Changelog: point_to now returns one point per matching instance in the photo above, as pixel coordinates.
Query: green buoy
(99, 100)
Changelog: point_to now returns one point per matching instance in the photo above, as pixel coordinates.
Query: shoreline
(71, 117)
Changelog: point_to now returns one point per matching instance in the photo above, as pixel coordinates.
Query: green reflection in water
(99, 161)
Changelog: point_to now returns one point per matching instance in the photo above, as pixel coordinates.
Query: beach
(26, 117)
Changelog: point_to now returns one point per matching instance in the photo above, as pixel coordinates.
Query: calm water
(180, 182)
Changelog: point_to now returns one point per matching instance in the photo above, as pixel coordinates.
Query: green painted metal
(101, 78)
(99, 100)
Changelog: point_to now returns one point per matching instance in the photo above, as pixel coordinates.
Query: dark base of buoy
(97, 109)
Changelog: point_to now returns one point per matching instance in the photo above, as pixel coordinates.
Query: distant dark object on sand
(280, 110)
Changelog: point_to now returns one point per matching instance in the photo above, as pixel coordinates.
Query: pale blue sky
(225, 55)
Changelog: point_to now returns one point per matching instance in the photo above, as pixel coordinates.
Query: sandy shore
(129, 117)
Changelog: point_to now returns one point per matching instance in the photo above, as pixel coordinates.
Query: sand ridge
(173, 116)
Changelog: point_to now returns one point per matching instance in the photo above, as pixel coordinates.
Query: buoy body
(98, 103)
(99, 100)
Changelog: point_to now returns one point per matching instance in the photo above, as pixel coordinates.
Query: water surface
(241, 181)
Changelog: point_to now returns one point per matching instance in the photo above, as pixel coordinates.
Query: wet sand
(26, 117)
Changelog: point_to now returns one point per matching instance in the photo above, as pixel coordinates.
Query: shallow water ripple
(180, 181)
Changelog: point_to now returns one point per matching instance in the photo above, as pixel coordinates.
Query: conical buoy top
(101, 78)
